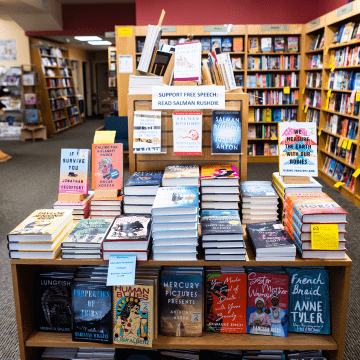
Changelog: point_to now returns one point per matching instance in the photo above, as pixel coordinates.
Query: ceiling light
(87, 38)
(99, 43)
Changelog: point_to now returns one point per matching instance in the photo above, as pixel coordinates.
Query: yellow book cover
(251, 115)
(253, 44)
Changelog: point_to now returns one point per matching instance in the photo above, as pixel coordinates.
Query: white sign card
(188, 97)
(121, 270)
(298, 149)
(126, 64)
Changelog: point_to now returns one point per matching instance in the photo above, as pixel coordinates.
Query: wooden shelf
(350, 43)
(317, 69)
(209, 341)
(58, 109)
(337, 135)
(313, 107)
(292, 105)
(314, 51)
(311, 88)
(341, 91)
(340, 114)
(333, 181)
(338, 158)
(274, 53)
(63, 118)
(238, 71)
(57, 87)
(62, 129)
(272, 88)
(261, 139)
(344, 67)
(265, 122)
(277, 70)
(52, 77)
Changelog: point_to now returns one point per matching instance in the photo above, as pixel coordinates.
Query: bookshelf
(112, 71)
(59, 102)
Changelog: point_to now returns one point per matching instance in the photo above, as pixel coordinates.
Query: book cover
(279, 43)
(181, 296)
(92, 315)
(86, 232)
(220, 224)
(176, 197)
(298, 149)
(257, 189)
(238, 44)
(293, 43)
(28, 79)
(30, 99)
(318, 208)
(226, 132)
(181, 171)
(134, 315)
(226, 302)
(188, 61)
(187, 133)
(74, 171)
(267, 304)
(107, 166)
(130, 227)
(145, 178)
(219, 171)
(147, 132)
(309, 300)
(266, 44)
(31, 115)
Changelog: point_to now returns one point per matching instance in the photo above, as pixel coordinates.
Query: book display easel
(59, 102)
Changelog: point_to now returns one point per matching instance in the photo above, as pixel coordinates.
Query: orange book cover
(107, 166)
(238, 44)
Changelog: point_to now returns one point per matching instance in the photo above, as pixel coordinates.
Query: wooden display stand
(33, 132)
(72, 197)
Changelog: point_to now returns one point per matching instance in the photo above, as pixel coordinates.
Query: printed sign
(121, 270)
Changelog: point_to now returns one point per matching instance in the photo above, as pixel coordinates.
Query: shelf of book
(314, 69)
(341, 114)
(317, 51)
(312, 88)
(344, 67)
(344, 44)
(273, 70)
(342, 160)
(342, 189)
(340, 91)
(268, 105)
(271, 88)
(262, 139)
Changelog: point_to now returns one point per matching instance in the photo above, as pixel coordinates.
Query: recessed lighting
(87, 38)
(99, 42)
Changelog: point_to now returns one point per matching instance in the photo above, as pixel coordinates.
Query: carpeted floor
(30, 181)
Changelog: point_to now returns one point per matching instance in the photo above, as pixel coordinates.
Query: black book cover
(52, 302)
(92, 312)
(212, 224)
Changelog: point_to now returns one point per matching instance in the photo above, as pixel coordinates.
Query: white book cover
(187, 133)
(188, 61)
(266, 44)
(298, 149)
(147, 132)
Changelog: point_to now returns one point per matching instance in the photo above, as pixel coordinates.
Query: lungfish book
(74, 171)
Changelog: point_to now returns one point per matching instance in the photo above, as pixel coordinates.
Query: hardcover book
(74, 171)
(28, 79)
(226, 295)
(92, 315)
(279, 43)
(134, 315)
(267, 304)
(309, 300)
(188, 62)
(187, 133)
(293, 43)
(107, 166)
(266, 44)
(145, 178)
(181, 175)
(226, 132)
(209, 172)
(257, 189)
(30, 99)
(182, 299)
(147, 132)
(31, 115)
(238, 44)
(220, 224)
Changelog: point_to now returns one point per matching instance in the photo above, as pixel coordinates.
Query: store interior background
(36, 177)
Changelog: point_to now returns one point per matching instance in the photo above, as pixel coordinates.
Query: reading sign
(188, 97)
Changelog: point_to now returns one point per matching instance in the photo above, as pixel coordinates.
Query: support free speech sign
(188, 97)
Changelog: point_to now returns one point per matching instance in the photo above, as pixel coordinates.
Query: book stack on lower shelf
(51, 353)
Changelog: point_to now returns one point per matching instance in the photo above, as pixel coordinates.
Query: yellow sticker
(338, 184)
(344, 144)
(104, 137)
(286, 90)
(273, 138)
(356, 173)
(358, 96)
(324, 237)
(306, 109)
(125, 32)
(319, 132)
(327, 103)
(332, 69)
(349, 144)
(303, 91)
(329, 93)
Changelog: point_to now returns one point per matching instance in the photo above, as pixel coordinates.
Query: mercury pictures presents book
(74, 171)
(226, 132)
(187, 133)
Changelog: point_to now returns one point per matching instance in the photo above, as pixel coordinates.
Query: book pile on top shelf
(346, 33)
(55, 353)
(259, 202)
(40, 235)
(140, 191)
(80, 210)
(85, 239)
(318, 42)
(219, 187)
(103, 207)
(302, 210)
(222, 235)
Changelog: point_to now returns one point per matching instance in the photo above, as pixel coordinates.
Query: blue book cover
(145, 178)
(257, 188)
(31, 115)
(277, 115)
(309, 300)
(220, 213)
(176, 197)
(226, 132)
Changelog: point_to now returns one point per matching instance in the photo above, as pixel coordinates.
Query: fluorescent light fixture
(99, 42)
(87, 38)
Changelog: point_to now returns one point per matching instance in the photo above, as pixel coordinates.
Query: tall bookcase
(112, 69)
(59, 102)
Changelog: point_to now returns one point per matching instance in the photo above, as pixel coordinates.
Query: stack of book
(181, 175)
(222, 235)
(128, 235)
(264, 354)
(259, 202)
(55, 353)
(40, 235)
(140, 191)
(303, 210)
(105, 208)
(80, 210)
(175, 223)
(270, 242)
(143, 84)
(219, 187)
(85, 239)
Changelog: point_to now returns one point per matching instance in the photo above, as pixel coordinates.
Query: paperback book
(30, 99)
(31, 115)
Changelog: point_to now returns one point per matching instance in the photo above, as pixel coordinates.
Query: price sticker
(319, 132)
(358, 96)
(338, 184)
(273, 138)
(303, 91)
(324, 237)
(125, 32)
(306, 109)
(332, 69)
(356, 173)
(329, 93)
(286, 90)
(327, 103)
(349, 144)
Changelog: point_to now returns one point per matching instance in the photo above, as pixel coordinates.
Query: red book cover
(268, 301)
(107, 166)
(226, 303)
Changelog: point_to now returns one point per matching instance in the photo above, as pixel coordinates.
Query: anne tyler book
(74, 171)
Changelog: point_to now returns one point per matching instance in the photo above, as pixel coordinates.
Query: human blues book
(188, 62)
(187, 133)
(92, 315)
(226, 302)
(145, 178)
(133, 313)
(267, 304)
(147, 132)
(74, 171)
(31, 115)
(298, 149)
(107, 166)
(226, 132)
(220, 224)
(309, 300)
